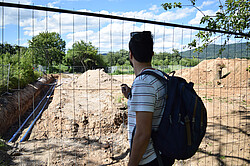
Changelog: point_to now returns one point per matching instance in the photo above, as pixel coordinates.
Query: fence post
(8, 78)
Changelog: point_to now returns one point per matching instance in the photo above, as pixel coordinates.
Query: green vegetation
(47, 48)
(248, 69)
(85, 55)
(117, 58)
(222, 157)
(120, 99)
(20, 70)
(121, 58)
(5, 159)
(19, 65)
(208, 99)
(165, 61)
(118, 72)
(2, 144)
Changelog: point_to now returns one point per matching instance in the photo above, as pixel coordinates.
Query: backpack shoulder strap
(162, 79)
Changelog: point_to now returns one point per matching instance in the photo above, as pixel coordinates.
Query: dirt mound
(234, 73)
(85, 108)
(96, 79)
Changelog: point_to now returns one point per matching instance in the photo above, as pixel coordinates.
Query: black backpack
(184, 119)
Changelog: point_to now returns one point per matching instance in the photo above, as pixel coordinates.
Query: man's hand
(125, 90)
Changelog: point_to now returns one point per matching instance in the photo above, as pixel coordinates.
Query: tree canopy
(83, 54)
(48, 48)
(120, 57)
(5, 47)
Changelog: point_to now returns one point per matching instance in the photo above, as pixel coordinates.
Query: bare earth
(85, 124)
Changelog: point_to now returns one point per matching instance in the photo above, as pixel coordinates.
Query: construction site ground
(86, 120)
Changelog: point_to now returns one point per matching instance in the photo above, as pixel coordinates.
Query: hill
(237, 50)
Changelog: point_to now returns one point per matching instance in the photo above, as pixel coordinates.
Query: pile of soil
(85, 119)
(234, 73)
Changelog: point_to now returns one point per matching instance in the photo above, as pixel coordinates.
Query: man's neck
(140, 66)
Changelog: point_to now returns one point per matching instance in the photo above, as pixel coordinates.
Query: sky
(19, 26)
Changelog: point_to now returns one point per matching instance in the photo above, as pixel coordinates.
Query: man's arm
(141, 137)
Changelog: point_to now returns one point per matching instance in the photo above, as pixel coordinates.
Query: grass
(5, 158)
(120, 99)
(119, 72)
(166, 69)
(208, 99)
(222, 157)
(2, 144)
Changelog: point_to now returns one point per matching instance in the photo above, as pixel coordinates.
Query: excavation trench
(15, 107)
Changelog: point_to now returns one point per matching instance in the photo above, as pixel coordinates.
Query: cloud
(199, 15)
(52, 4)
(110, 37)
(116, 36)
(26, 2)
(172, 16)
(206, 3)
(64, 22)
(154, 8)
(106, 34)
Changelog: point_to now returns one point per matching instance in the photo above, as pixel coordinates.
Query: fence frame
(117, 18)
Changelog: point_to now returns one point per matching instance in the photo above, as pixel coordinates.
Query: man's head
(141, 46)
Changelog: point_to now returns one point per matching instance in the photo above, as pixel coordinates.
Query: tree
(123, 56)
(4, 48)
(176, 56)
(83, 54)
(117, 58)
(189, 62)
(234, 16)
(47, 48)
(161, 58)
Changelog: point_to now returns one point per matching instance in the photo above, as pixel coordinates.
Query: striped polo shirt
(148, 94)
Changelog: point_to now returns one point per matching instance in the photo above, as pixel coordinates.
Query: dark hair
(141, 46)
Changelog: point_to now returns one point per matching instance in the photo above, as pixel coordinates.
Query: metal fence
(85, 122)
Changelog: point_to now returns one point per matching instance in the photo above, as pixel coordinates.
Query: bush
(166, 70)
(21, 70)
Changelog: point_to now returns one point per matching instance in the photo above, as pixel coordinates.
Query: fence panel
(85, 122)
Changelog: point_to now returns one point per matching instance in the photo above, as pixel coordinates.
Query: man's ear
(130, 55)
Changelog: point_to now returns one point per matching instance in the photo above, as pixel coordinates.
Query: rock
(58, 107)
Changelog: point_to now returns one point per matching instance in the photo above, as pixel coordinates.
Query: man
(145, 102)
